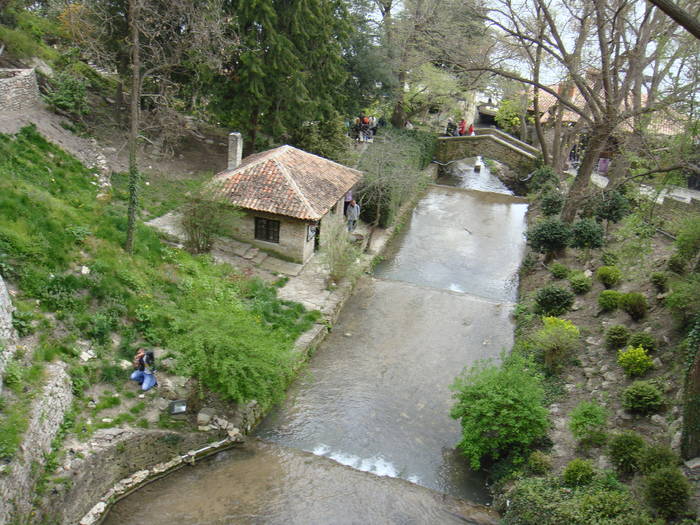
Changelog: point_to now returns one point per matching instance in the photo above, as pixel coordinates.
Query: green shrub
(625, 452)
(542, 177)
(612, 206)
(501, 410)
(677, 264)
(22, 322)
(642, 397)
(616, 337)
(635, 304)
(549, 236)
(684, 299)
(559, 271)
(609, 259)
(578, 472)
(667, 491)
(634, 361)
(580, 284)
(660, 281)
(610, 276)
(67, 92)
(655, 457)
(587, 233)
(552, 202)
(688, 238)
(553, 300)
(643, 339)
(609, 300)
(587, 423)
(539, 463)
(556, 340)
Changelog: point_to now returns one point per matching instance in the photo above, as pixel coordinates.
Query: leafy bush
(558, 271)
(677, 264)
(587, 423)
(625, 452)
(634, 361)
(655, 457)
(539, 463)
(660, 281)
(642, 397)
(544, 176)
(587, 233)
(609, 300)
(610, 276)
(544, 501)
(339, 252)
(616, 337)
(644, 340)
(22, 322)
(205, 214)
(67, 93)
(667, 490)
(552, 202)
(612, 206)
(578, 472)
(549, 236)
(684, 299)
(553, 300)
(501, 409)
(635, 304)
(556, 339)
(609, 259)
(580, 284)
(688, 239)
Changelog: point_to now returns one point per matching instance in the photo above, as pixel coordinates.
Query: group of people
(458, 130)
(365, 127)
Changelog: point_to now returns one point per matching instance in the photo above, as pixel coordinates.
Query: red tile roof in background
(287, 181)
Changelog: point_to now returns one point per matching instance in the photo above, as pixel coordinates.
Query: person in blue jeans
(144, 373)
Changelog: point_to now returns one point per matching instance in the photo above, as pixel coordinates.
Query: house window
(267, 230)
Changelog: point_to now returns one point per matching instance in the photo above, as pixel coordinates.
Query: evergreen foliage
(556, 340)
(551, 203)
(609, 300)
(587, 423)
(642, 397)
(580, 283)
(553, 300)
(578, 472)
(587, 233)
(616, 337)
(610, 276)
(625, 452)
(549, 236)
(635, 304)
(634, 361)
(667, 490)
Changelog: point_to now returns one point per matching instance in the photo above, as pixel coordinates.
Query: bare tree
(683, 17)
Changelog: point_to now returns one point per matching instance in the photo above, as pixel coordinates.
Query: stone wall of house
(489, 146)
(21, 474)
(7, 333)
(112, 454)
(293, 244)
(18, 89)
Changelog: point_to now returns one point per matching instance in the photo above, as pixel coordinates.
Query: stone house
(285, 194)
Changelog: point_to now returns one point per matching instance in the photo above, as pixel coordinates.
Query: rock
(554, 409)
(693, 465)
(610, 376)
(623, 415)
(593, 341)
(124, 364)
(569, 388)
(604, 368)
(107, 420)
(658, 420)
(576, 306)
(204, 428)
(603, 463)
(588, 273)
(589, 372)
(84, 270)
(110, 150)
(86, 355)
(676, 441)
(657, 363)
(347, 334)
(205, 416)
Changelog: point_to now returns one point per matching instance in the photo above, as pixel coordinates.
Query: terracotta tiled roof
(287, 181)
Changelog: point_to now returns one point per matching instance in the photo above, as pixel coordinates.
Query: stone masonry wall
(113, 454)
(7, 332)
(18, 89)
(292, 236)
(19, 477)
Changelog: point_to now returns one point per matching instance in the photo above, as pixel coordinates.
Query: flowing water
(376, 397)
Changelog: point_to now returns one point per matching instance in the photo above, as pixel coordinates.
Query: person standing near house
(471, 130)
(352, 214)
(348, 198)
(462, 127)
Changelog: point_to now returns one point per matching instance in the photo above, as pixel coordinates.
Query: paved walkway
(675, 193)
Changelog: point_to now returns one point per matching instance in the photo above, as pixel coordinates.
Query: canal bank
(378, 382)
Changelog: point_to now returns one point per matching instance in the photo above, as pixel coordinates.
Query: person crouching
(144, 369)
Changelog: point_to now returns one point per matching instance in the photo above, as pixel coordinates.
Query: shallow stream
(376, 395)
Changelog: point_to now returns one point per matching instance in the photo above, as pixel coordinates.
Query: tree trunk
(583, 177)
(134, 175)
(398, 116)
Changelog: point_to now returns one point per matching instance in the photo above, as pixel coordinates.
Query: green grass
(51, 225)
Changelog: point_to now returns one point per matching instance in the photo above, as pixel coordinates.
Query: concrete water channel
(374, 404)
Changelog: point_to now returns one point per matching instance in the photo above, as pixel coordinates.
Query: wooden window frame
(267, 230)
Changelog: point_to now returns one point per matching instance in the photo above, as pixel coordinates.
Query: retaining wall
(21, 474)
(18, 90)
(8, 337)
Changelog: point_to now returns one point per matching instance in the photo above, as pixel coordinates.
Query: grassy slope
(230, 332)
